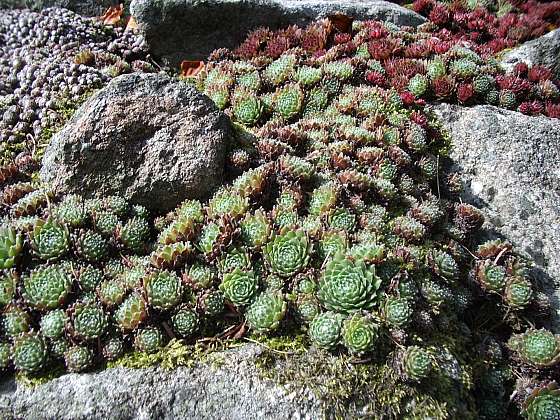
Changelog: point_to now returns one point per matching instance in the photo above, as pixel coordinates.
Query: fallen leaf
(341, 22)
(191, 68)
(132, 24)
(112, 15)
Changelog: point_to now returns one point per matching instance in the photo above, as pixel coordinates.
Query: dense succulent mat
(339, 226)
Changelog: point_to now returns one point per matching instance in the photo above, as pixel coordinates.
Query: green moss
(31, 380)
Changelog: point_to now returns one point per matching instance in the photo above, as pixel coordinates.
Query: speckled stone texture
(179, 30)
(544, 51)
(511, 164)
(231, 389)
(152, 139)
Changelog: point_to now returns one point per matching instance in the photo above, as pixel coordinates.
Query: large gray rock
(231, 391)
(179, 30)
(544, 51)
(152, 139)
(511, 164)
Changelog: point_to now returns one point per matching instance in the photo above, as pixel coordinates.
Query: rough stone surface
(147, 137)
(190, 29)
(82, 7)
(544, 51)
(511, 167)
(231, 391)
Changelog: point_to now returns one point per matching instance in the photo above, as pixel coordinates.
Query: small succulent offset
(543, 403)
(239, 286)
(287, 253)
(47, 286)
(417, 363)
(359, 334)
(163, 289)
(325, 329)
(11, 244)
(50, 240)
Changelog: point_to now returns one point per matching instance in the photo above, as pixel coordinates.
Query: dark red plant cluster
(426, 64)
(492, 29)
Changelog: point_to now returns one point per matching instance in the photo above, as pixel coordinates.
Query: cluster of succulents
(52, 56)
(338, 219)
(490, 25)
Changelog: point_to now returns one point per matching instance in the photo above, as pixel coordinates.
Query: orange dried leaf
(191, 68)
(341, 22)
(112, 15)
(132, 24)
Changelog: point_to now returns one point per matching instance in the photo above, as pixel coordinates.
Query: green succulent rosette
(417, 363)
(132, 312)
(148, 340)
(89, 321)
(15, 321)
(540, 348)
(8, 280)
(163, 289)
(543, 403)
(266, 311)
(239, 287)
(5, 355)
(11, 245)
(287, 253)
(359, 334)
(78, 358)
(325, 329)
(47, 287)
(53, 323)
(397, 311)
(113, 348)
(185, 322)
(29, 352)
(518, 292)
(348, 286)
(49, 239)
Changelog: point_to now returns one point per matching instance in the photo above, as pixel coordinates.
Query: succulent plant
(171, 256)
(47, 286)
(325, 329)
(359, 334)
(8, 280)
(518, 292)
(5, 355)
(307, 307)
(89, 321)
(491, 276)
(288, 101)
(91, 245)
(247, 107)
(539, 348)
(347, 286)
(132, 312)
(239, 287)
(200, 276)
(106, 222)
(211, 303)
(543, 403)
(397, 311)
(11, 244)
(111, 292)
(163, 289)
(235, 258)
(78, 358)
(53, 323)
(134, 233)
(29, 352)
(89, 277)
(417, 363)
(227, 203)
(148, 340)
(15, 321)
(113, 348)
(185, 322)
(49, 239)
(287, 253)
(255, 229)
(266, 311)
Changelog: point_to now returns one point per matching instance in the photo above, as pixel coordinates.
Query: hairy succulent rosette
(288, 101)
(185, 322)
(47, 286)
(11, 244)
(8, 280)
(239, 287)
(111, 292)
(417, 363)
(171, 256)
(325, 330)
(307, 307)
(539, 348)
(29, 352)
(148, 340)
(199, 276)
(288, 253)
(163, 289)
(235, 258)
(132, 312)
(211, 303)
(53, 323)
(134, 234)
(397, 311)
(113, 348)
(518, 292)
(15, 321)
(266, 312)
(89, 321)
(247, 107)
(91, 245)
(78, 358)
(491, 276)
(49, 239)
(543, 403)
(255, 229)
(5, 355)
(347, 286)
(359, 334)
